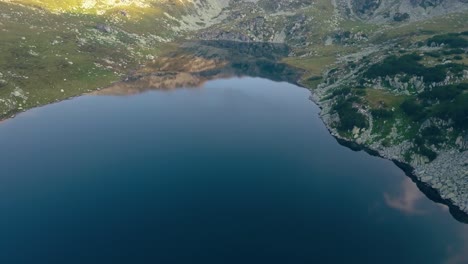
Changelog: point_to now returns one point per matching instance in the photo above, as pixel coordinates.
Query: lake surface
(236, 171)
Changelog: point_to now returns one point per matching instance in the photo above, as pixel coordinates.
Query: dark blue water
(238, 171)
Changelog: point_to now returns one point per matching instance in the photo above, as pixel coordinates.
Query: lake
(238, 170)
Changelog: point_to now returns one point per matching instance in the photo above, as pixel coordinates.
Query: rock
(104, 28)
(459, 142)
(450, 196)
(426, 178)
(401, 17)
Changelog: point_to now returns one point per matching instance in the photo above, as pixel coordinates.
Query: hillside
(389, 75)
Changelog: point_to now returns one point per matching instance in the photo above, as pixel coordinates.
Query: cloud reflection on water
(459, 253)
(408, 200)
(411, 201)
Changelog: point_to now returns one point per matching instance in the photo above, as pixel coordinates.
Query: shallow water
(237, 171)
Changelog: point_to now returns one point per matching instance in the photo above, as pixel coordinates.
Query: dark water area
(258, 59)
(239, 170)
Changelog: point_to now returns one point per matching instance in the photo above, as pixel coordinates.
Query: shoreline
(429, 191)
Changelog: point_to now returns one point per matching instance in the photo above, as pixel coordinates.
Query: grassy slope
(47, 56)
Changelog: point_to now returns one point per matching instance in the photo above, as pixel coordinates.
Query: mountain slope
(386, 11)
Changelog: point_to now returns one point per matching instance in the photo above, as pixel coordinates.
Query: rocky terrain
(388, 75)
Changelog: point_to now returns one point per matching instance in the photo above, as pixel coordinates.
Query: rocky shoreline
(436, 179)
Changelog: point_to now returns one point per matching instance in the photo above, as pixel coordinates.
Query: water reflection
(459, 253)
(407, 198)
(407, 201)
(195, 63)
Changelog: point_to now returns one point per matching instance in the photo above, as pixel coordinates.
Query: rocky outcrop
(365, 8)
(224, 35)
(388, 11)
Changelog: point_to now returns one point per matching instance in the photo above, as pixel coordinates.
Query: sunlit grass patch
(377, 98)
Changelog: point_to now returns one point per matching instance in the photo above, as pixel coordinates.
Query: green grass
(324, 59)
(45, 57)
(377, 98)
(315, 65)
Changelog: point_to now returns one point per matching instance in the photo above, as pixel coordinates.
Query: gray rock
(104, 28)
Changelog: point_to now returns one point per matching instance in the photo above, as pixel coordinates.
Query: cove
(238, 170)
